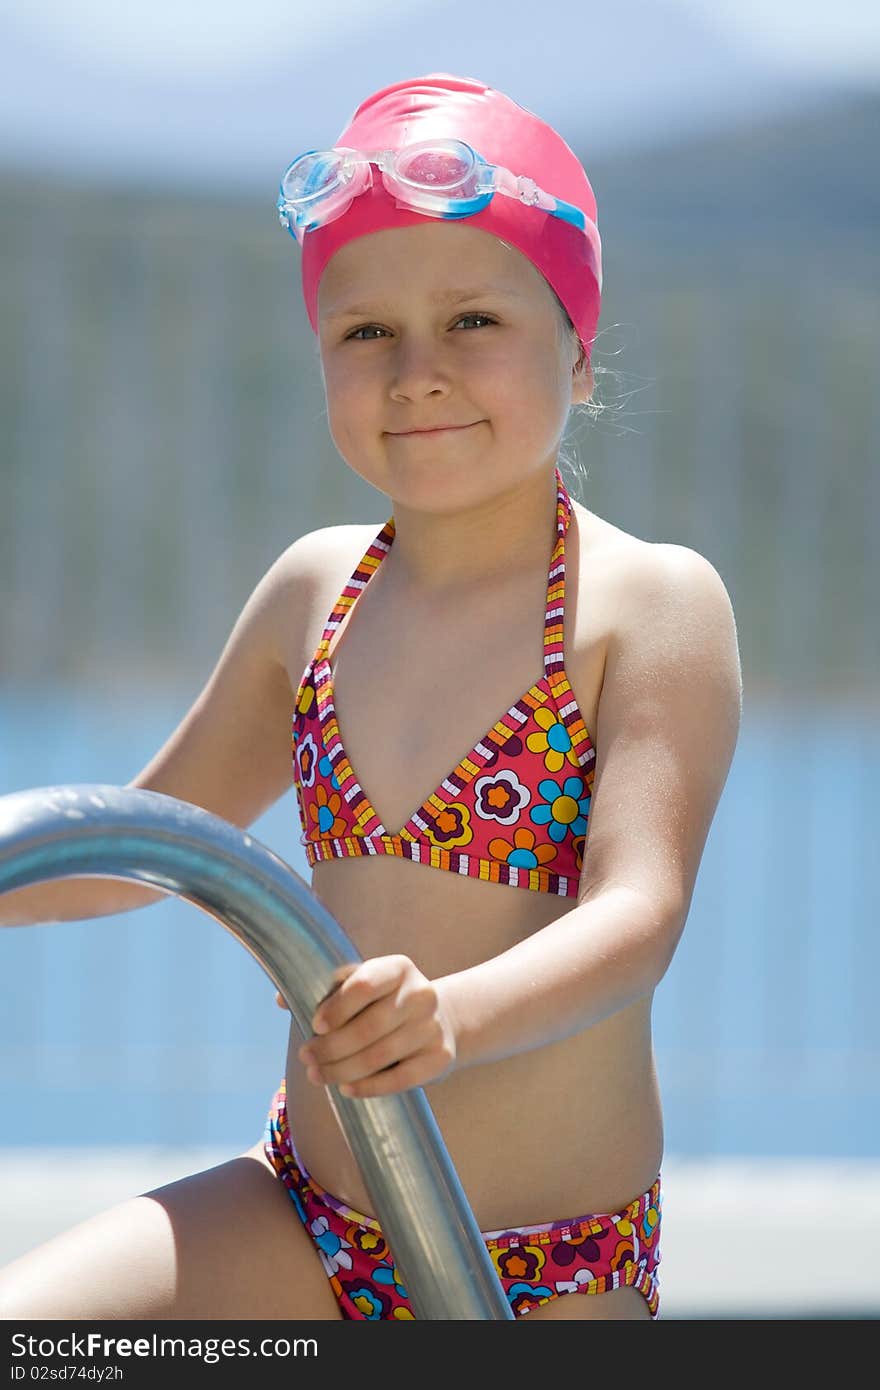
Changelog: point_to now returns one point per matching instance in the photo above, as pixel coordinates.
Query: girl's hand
(384, 1029)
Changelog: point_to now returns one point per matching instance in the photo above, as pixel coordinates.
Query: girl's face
(403, 347)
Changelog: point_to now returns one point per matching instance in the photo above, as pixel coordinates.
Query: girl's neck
(441, 557)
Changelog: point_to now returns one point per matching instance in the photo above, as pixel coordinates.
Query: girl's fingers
(384, 1052)
(379, 1020)
(398, 1047)
(415, 1071)
(381, 1030)
(369, 981)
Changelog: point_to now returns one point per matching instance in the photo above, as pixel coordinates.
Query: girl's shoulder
(636, 594)
(307, 580)
(307, 560)
(628, 563)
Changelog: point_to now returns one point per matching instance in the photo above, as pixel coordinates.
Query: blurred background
(163, 438)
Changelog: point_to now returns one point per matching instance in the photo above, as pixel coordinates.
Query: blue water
(158, 1027)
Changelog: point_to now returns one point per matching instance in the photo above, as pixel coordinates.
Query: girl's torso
(570, 1128)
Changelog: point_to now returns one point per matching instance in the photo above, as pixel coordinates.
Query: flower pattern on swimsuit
(516, 807)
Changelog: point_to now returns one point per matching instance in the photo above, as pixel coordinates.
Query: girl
(511, 726)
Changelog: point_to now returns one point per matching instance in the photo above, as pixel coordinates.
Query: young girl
(512, 723)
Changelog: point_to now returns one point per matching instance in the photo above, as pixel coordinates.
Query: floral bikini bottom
(588, 1254)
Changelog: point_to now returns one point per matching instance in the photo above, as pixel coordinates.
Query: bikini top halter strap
(554, 616)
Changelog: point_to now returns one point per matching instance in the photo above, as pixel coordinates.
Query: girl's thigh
(225, 1243)
(617, 1304)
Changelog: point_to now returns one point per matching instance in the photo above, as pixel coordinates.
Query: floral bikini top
(514, 810)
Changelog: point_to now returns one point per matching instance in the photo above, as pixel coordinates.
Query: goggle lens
(441, 169)
(311, 176)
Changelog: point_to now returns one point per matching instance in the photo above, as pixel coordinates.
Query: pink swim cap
(503, 132)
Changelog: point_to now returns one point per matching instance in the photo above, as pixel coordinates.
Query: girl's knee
(225, 1243)
(118, 1264)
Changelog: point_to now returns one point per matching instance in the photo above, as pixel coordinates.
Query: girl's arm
(230, 754)
(667, 726)
(668, 722)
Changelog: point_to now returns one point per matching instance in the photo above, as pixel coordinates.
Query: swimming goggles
(442, 178)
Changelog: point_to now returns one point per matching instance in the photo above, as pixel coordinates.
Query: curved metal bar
(97, 830)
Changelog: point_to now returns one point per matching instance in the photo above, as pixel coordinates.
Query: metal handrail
(97, 830)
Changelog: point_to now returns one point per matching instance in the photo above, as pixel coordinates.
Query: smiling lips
(431, 433)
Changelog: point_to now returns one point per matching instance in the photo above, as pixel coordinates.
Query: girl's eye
(353, 337)
(484, 317)
(368, 326)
